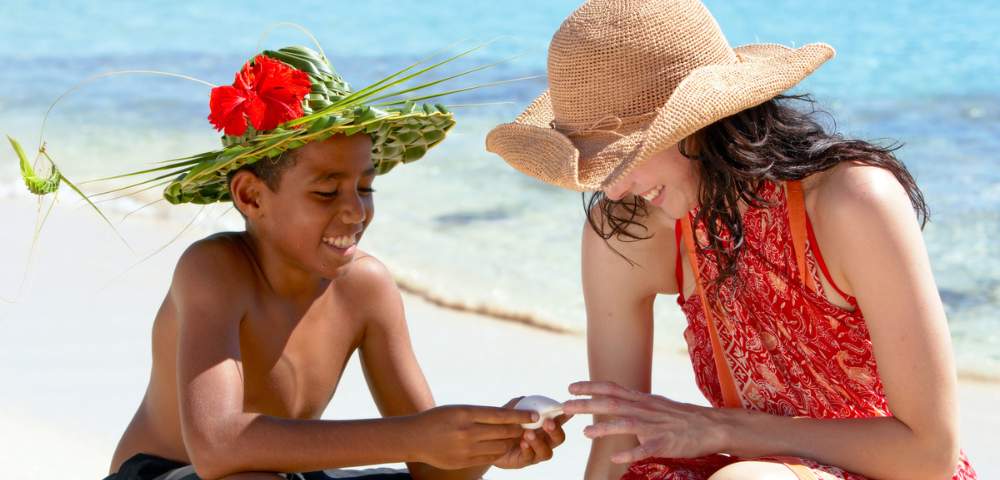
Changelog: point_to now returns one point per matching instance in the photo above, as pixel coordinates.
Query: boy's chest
(292, 370)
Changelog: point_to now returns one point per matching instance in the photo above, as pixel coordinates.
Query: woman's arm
(866, 226)
(619, 299)
(864, 219)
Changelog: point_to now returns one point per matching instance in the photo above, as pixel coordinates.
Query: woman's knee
(754, 470)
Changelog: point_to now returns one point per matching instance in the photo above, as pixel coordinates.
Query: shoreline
(530, 320)
(480, 308)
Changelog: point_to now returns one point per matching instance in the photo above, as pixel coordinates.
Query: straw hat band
(606, 124)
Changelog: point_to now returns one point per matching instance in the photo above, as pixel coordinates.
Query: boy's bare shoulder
(213, 266)
(369, 285)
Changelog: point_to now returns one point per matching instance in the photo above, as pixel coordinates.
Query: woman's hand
(664, 428)
(460, 436)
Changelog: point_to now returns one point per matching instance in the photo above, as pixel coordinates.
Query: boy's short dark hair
(269, 170)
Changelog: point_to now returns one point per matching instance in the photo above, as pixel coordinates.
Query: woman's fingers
(644, 450)
(600, 405)
(616, 426)
(610, 389)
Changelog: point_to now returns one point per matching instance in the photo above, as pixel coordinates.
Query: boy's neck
(284, 278)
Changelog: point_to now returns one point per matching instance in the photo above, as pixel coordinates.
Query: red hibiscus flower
(266, 93)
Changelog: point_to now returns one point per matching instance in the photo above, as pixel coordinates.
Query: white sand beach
(74, 352)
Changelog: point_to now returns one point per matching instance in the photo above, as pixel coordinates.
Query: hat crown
(625, 57)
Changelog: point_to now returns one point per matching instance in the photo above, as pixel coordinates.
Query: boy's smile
(312, 222)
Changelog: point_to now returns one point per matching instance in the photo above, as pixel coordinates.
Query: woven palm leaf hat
(629, 78)
(319, 105)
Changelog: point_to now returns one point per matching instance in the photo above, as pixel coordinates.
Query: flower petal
(227, 110)
(266, 93)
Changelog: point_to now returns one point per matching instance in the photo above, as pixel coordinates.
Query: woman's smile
(653, 195)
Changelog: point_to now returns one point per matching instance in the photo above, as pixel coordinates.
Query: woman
(814, 325)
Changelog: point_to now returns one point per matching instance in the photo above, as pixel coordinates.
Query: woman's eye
(366, 191)
(327, 194)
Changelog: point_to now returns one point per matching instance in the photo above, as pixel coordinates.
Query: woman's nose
(617, 191)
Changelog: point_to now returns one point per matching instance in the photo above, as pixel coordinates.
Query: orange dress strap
(797, 222)
(730, 395)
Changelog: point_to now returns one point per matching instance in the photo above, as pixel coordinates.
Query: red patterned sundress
(788, 350)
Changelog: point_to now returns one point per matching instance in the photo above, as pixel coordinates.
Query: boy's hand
(536, 445)
(460, 436)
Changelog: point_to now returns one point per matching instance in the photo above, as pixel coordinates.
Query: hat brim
(708, 94)
(398, 136)
(531, 145)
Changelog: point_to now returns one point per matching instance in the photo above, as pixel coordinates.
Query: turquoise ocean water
(460, 223)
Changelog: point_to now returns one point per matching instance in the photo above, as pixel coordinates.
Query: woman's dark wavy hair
(770, 142)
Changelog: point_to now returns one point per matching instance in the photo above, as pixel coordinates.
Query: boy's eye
(364, 191)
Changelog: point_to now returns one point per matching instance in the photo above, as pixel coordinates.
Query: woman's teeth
(340, 242)
(652, 193)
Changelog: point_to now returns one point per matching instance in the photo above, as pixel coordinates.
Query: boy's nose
(353, 210)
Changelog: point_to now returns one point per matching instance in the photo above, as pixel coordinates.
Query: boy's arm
(211, 291)
(394, 377)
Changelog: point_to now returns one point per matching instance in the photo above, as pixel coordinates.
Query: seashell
(544, 406)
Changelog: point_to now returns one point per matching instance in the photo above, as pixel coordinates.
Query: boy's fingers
(481, 460)
(556, 435)
(498, 432)
(549, 425)
(540, 446)
(503, 416)
(493, 447)
(512, 402)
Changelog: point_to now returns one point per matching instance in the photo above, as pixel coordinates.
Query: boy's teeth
(340, 242)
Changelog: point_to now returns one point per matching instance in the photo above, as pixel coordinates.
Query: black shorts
(151, 467)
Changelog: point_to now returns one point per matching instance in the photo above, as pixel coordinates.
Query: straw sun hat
(629, 78)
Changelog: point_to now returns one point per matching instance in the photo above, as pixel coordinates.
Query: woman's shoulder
(642, 264)
(852, 191)
(855, 211)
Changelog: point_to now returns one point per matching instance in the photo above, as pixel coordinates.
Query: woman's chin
(672, 211)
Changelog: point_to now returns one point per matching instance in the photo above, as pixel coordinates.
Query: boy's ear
(245, 189)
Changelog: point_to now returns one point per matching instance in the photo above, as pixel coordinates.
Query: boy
(254, 333)
(256, 329)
